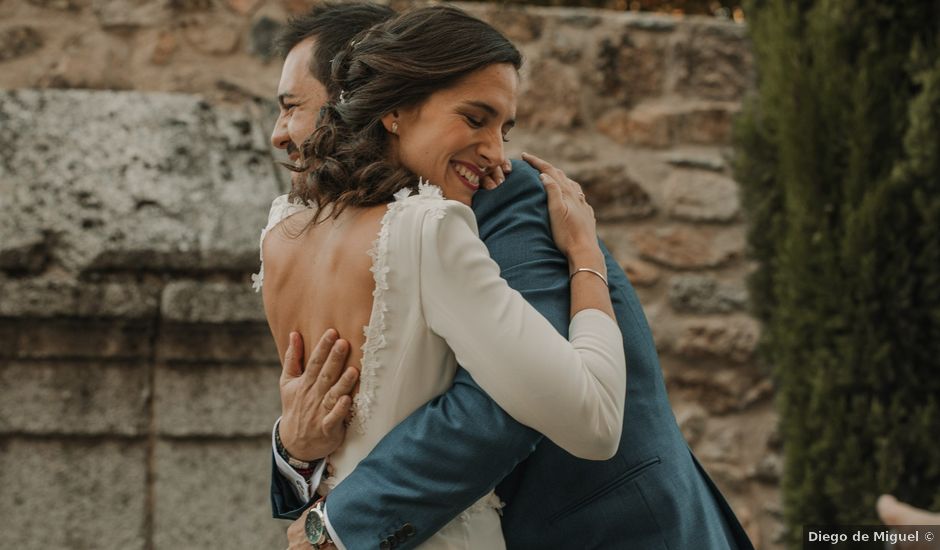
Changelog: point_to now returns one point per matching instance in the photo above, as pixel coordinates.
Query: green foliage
(838, 156)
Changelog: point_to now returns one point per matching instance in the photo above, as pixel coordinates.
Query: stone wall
(138, 375)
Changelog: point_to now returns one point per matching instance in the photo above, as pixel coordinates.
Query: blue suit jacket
(652, 494)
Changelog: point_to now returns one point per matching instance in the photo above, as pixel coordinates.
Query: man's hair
(333, 25)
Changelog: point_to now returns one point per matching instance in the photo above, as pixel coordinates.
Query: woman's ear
(390, 121)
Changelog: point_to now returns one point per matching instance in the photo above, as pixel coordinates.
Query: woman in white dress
(379, 243)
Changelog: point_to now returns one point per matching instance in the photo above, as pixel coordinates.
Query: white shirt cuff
(329, 529)
(302, 488)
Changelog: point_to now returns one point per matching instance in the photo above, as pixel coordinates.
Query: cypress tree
(838, 157)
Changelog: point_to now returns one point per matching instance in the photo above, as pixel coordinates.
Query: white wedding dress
(439, 301)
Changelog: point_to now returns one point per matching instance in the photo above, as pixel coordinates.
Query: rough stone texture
(264, 31)
(18, 41)
(641, 273)
(733, 340)
(701, 196)
(99, 207)
(204, 485)
(220, 401)
(614, 194)
(200, 302)
(81, 399)
(71, 494)
(129, 13)
(715, 62)
(97, 61)
(631, 66)
(77, 339)
(703, 294)
(682, 247)
(660, 125)
(549, 80)
(40, 298)
(242, 343)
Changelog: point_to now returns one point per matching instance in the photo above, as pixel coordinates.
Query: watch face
(314, 527)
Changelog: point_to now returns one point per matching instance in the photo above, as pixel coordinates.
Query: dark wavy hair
(394, 65)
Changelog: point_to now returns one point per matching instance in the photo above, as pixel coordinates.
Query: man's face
(300, 97)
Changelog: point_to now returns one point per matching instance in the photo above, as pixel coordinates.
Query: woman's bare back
(318, 277)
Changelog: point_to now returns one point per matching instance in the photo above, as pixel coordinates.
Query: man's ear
(390, 121)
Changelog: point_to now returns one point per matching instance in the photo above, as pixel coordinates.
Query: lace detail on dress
(281, 208)
(375, 330)
(489, 501)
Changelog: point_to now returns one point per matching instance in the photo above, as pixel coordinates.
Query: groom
(652, 494)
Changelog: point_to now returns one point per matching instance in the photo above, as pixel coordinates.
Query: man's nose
(279, 137)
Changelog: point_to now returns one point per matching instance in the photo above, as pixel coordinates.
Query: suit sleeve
(451, 452)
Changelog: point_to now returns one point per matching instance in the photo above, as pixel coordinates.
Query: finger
(335, 421)
(332, 367)
(507, 167)
(488, 183)
(536, 162)
(292, 367)
(894, 512)
(320, 354)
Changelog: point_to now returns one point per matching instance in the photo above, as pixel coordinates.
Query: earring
(395, 127)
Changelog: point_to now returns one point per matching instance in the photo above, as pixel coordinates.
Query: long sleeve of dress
(571, 392)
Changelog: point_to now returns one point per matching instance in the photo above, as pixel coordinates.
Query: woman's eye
(505, 138)
(476, 123)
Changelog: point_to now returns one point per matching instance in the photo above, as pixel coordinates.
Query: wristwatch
(315, 527)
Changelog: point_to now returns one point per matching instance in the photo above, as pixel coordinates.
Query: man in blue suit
(652, 494)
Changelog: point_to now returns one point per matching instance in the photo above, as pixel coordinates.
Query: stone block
(215, 33)
(74, 398)
(701, 196)
(629, 67)
(83, 339)
(698, 161)
(129, 13)
(201, 302)
(39, 298)
(550, 95)
(704, 294)
(662, 124)
(640, 273)
(92, 60)
(215, 494)
(687, 247)
(188, 185)
(246, 343)
(614, 194)
(217, 400)
(24, 252)
(519, 24)
(263, 37)
(733, 339)
(71, 494)
(18, 41)
(714, 61)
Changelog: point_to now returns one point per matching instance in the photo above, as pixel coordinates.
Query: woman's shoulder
(428, 203)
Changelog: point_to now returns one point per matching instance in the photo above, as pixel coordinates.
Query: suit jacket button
(391, 541)
(400, 536)
(408, 529)
(384, 545)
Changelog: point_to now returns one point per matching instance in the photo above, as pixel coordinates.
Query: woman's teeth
(465, 172)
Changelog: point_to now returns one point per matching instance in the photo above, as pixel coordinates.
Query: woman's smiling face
(455, 137)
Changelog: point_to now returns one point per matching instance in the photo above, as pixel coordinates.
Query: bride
(379, 243)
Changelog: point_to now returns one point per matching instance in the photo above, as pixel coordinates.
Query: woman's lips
(460, 167)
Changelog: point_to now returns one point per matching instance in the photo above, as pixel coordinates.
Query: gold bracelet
(589, 270)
